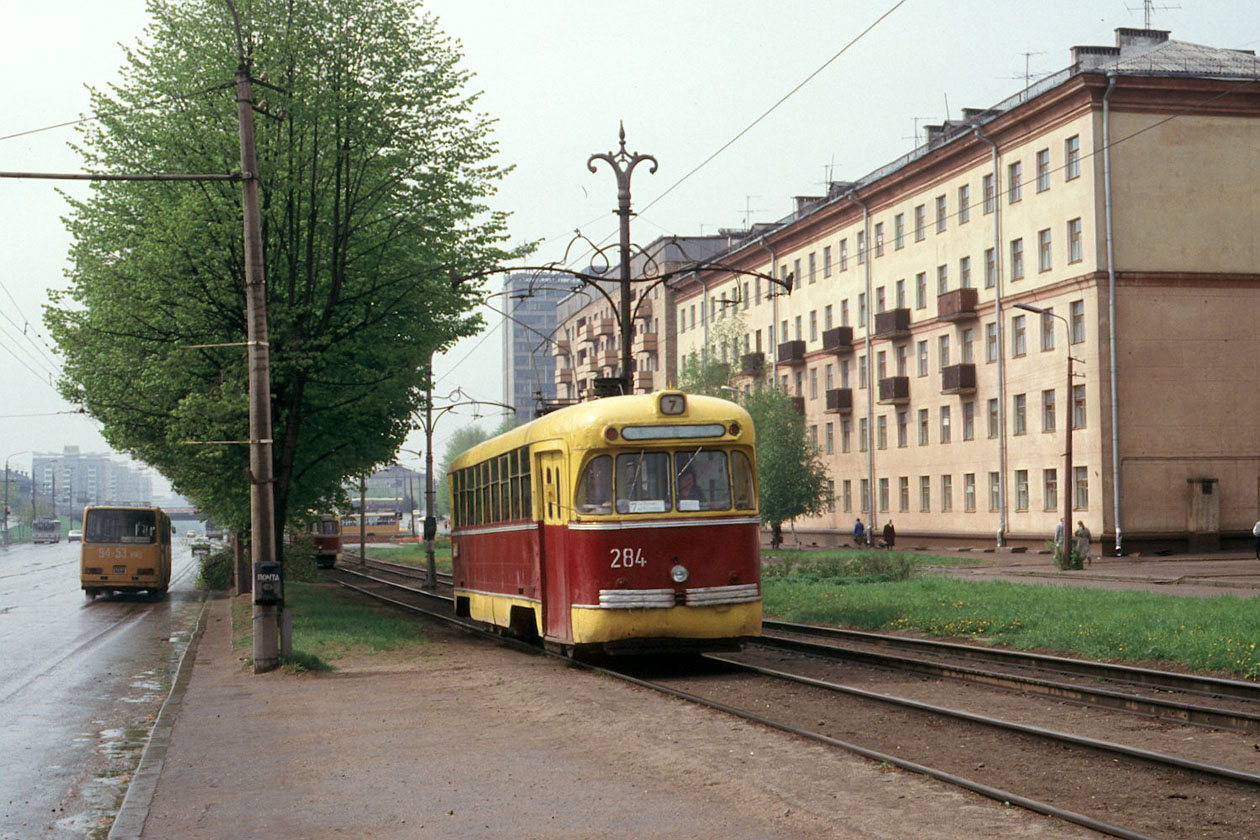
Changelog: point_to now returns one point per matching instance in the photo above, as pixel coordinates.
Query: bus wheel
(91, 594)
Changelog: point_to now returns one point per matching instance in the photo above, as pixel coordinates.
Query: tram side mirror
(268, 585)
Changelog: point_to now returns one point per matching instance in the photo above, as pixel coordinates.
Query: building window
(987, 189)
(993, 417)
(861, 247)
(903, 493)
(1019, 339)
(942, 213)
(995, 491)
(827, 323)
(879, 300)
(1014, 182)
(844, 259)
(829, 437)
(813, 383)
(881, 432)
(1017, 259)
(1043, 250)
(1047, 410)
(847, 486)
(844, 312)
(969, 492)
(923, 427)
(879, 239)
(921, 356)
(862, 434)
(964, 272)
(1047, 329)
(796, 328)
(883, 495)
(865, 486)
(990, 268)
(813, 325)
(945, 430)
(1076, 309)
(920, 222)
(831, 496)
(969, 420)
(1043, 170)
(813, 437)
(920, 290)
(903, 352)
(903, 422)
(1078, 406)
(861, 313)
(846, 429)
(1020, 413)
(1021, 489)
(1072, 157)
(942, 279)
(1075, 251)
(947, 493)
(901, 293)
(967, 340)
(826, 261)
(1080, 488)
(990, 342)
(899, 231)
(942, 350)
(844, 373)
(1050, 489)
(861, 371)
(964, 204)
(925, 493)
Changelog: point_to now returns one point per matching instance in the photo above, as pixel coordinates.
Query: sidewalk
(461, 738)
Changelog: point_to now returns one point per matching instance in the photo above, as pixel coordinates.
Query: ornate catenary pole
(623, 164)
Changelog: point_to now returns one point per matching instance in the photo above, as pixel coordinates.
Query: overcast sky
(559, 75)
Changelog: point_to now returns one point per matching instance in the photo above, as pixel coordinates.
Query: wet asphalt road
(80, 684)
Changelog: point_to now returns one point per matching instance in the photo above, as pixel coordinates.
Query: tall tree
(374, 167)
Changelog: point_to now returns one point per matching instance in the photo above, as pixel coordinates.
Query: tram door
(552, 538)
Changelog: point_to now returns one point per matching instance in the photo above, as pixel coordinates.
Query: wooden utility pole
(262, 543)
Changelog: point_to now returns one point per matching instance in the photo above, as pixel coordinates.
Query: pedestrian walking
(890, 534)
(1255, 532)
(859, 533)
(1082, 540)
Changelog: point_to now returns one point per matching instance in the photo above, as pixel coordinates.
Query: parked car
(74, 535)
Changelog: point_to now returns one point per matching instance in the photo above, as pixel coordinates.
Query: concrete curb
(129, 824)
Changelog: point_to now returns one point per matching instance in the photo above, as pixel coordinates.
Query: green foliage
(1201, 633)
(216, 570)
(373, 173)
(840, 566)
(791, 472)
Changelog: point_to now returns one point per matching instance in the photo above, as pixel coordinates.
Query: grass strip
(1203, 634)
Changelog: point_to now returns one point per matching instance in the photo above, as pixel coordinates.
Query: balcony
(958, 305)
(894, 390)
(752, 364)
(839, 401)
(562, 347)
(799, 404)
(792, 353)
(564, 376)
(607, 358)
(646, 343)
(643, 380)
(599, 326)
(892, 323)
(958, 379)
(838, 340)
(643, 309)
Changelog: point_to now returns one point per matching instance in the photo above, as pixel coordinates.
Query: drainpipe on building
(1111, 312)
(1001, 334)
(774, 304)
(870, 364)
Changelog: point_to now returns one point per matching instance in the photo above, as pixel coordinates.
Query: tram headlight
(679, 573)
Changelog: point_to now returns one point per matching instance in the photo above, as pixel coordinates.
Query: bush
(841, 567)
(299, 564)
(216, 570)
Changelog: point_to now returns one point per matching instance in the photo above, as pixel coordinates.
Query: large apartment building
(72, 480)
(1119, 196)
(528, 332)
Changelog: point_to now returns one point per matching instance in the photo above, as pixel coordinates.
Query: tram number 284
(626, 558)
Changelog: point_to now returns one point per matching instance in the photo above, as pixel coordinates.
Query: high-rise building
(528, 339)
(76, 479)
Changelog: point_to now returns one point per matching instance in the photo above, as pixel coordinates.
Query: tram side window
(742, 473)
(701, 480)
(526, 508)
(594, 490)
(643, 482)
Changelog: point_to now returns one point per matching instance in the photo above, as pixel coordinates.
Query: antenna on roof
(915, 137)
(1149, 6)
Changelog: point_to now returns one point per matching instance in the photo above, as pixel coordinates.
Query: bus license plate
(120, 570)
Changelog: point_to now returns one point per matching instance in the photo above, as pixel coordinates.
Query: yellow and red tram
(623, 525)
(125, 549)
(326, 534)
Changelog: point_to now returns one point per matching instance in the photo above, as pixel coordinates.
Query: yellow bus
(125, 549)
(379, 527)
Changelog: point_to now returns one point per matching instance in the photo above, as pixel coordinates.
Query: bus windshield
(120, 526)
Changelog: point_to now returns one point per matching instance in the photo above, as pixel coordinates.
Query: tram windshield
(326, 526)
(659, 482)
(120, 526)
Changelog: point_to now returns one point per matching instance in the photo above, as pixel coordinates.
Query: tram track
(1095, 783)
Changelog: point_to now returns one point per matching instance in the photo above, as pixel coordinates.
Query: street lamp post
(411, 508)
(1065, 551)
(623, 164)
(6, 493)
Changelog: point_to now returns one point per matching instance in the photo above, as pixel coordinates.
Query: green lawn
(1200, 633)
(410, 553)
